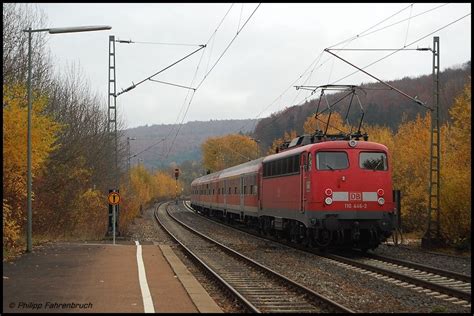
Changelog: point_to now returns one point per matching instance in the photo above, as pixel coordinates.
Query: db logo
(355, 196)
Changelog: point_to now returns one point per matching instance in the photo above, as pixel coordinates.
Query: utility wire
(187, 95)
(397, 50)
(319, 56)
(351, 39)
(205, 76)
(419, 14)
(149, 147)
(148, 78)
(421, 38)
(359, 35)
(155, 43)
(212, 37)
(225, 50)
(408, 27)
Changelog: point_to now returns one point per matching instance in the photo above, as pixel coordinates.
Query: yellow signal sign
(113, 198)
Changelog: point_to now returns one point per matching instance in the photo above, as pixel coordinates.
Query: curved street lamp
(28, 158)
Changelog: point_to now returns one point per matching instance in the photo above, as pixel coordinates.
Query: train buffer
(102, 277)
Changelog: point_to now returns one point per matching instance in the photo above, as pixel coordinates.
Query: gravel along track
(455, 290)
(456, 264)
(359, 291)
(260, 289)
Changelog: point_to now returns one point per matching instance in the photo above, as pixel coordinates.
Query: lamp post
(28, 158)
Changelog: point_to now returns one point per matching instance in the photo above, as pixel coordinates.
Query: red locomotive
(327, 193)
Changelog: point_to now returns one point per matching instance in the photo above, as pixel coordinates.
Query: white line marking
(147, 300)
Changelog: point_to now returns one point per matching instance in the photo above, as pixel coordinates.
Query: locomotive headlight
(380, 192)
(328, 201)
(328, 192)
(381, 201)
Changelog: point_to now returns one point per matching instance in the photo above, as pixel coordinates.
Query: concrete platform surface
(101, 277)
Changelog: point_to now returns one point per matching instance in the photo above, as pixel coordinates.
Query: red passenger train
(329, 193)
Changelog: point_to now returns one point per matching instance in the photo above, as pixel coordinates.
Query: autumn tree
(279, 141)
(336, 124)
(43, 136)
(456, 173)
(223, 152)
(16, 18)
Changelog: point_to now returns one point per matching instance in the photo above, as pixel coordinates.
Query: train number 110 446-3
(355, 205)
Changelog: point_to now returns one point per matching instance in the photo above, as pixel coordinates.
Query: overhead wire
(348, 41)
(408, 27)
(362, 35)
(199, 63)
(396, 51)
(192, 81)
(194, 77)
(154, 43)
(205, 76)
(230, 43)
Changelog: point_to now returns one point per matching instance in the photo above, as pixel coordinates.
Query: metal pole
(28, 158)
(176, 191)
(438, 141)
(432, 236)
(113, 221)
(128, 154)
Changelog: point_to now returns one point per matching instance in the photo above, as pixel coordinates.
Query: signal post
(176, 175)
(114, 200)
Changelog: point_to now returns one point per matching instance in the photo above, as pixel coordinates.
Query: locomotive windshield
(331, 160)
(373, 161)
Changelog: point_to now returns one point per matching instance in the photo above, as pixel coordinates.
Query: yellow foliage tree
(227, 151)
(455, 214)
(279, 141)
(145, 188)
(411, 171)
(336, 124)
(43, 136)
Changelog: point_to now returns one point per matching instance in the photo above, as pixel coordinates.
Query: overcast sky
(273, 50)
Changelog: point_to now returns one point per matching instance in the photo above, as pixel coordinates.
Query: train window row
(246, 190)
(282, 166)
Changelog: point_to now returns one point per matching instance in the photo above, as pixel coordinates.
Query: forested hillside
(187, 145)
(381, 106)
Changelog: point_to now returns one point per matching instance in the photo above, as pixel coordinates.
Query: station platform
(102, 277)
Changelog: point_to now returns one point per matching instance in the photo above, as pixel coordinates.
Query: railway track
(389, 244)
(257, 287)
(439, 283)
(455, 287)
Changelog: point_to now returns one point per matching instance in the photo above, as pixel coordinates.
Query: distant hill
(187, 145)
(381, 106)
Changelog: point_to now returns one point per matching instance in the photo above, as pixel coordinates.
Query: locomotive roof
(334, 144)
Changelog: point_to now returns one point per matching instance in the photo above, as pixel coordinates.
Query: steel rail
(403, 277)
(399, 276)
(334, 306)
(208, 269)
(422, 267)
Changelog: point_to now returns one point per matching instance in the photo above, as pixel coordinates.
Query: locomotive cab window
(373, 161)
(332, 160)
